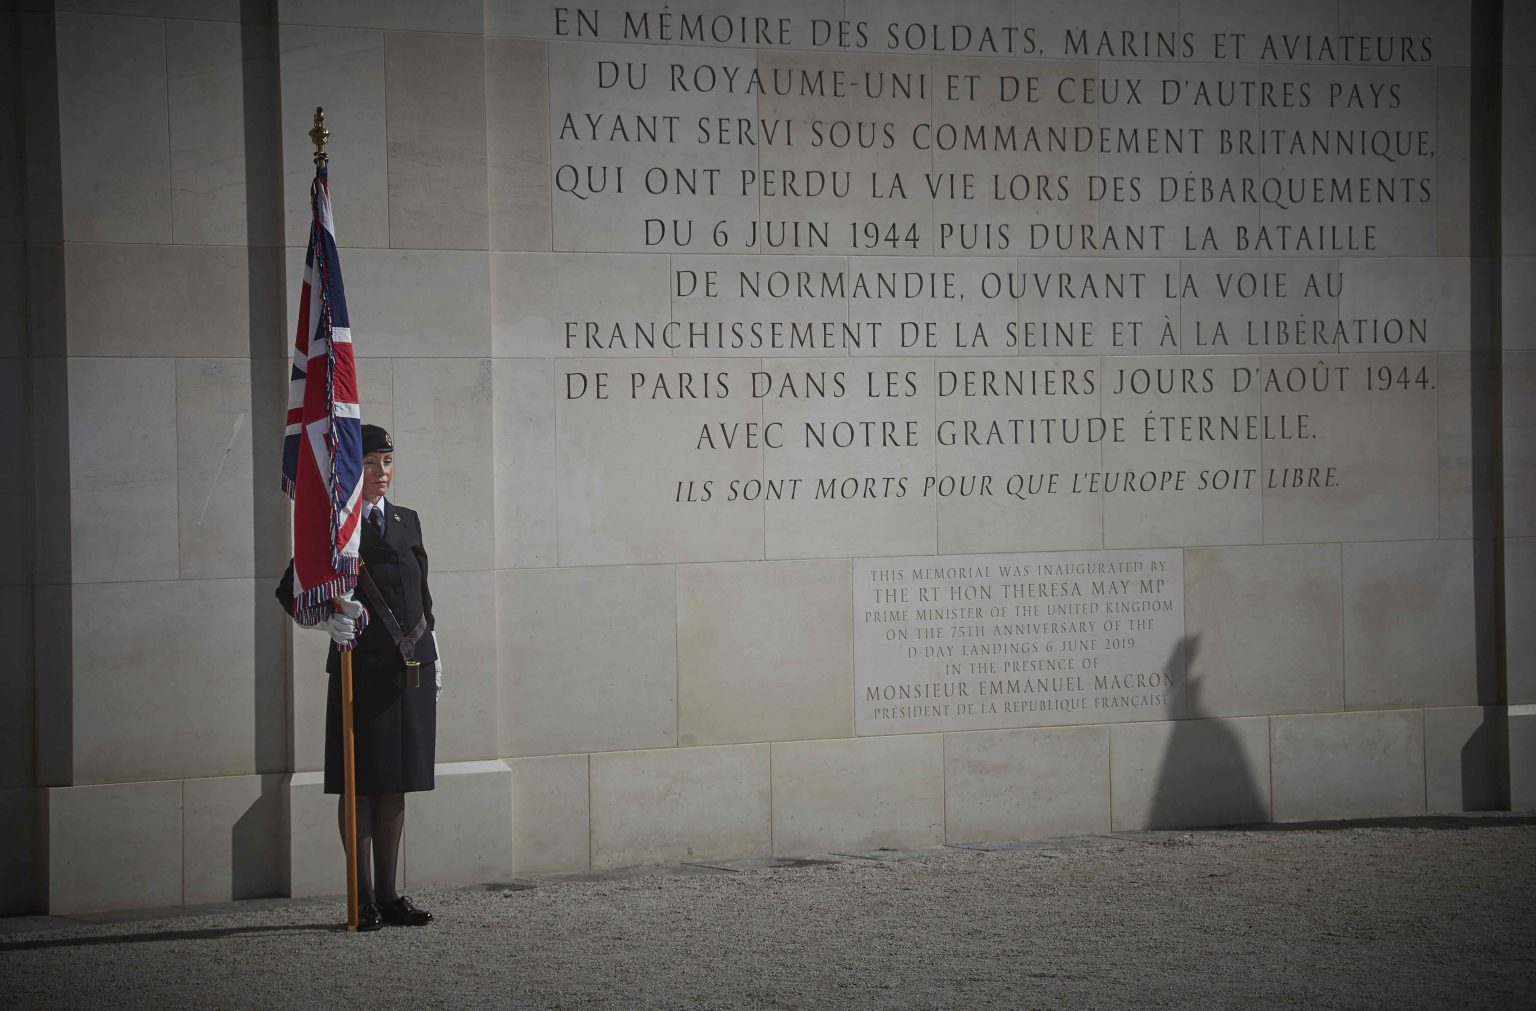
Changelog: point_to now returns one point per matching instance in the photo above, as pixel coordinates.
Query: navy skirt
(394, 728)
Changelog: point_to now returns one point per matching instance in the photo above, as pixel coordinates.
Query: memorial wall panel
(833, 425)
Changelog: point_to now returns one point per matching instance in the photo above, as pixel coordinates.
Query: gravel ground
(1420, 913)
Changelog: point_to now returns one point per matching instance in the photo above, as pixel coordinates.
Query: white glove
(343, 624)
(437, 668)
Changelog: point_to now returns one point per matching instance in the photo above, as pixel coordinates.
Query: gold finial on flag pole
(320, 135)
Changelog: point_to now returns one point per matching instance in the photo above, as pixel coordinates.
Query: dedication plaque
(982, 642)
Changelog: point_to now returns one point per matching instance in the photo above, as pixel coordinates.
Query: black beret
(376, 440)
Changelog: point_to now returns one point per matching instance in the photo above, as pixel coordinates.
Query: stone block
(1189, 773)
(924, 319)
(1449, 25)
(1026, 784)
(855, 218)
(877, 441)
(1457, 451)
(443, 443)
(410, 303)
(20, 892)
(974, 14)
(52, 617)
(234, 838)
(589, 658)
(464, 605)
(191, 10)
(132, 301)
(793, 293)
(1410, 624)
(1220, 503)
(1043, 521)
(1402, 227)
(764, 652)
(1204, 17)
(343, 68)
(308, 648)
(1519, 443)
(461, 17)
(204, 72)
(550, 824)
(1348, 765)
(114, 142)
(16, 511)
(317, 861)
(1184, 165)
(1239, 300)
(213, 461)
(1519, 291)
(1463, 769)
(460, 832)
(1382, 441)
(122, 469)
(163, 681)
(17, 736)
(1519, 36)
(1054, 18)
(1519, 630)
(437, 140)
(589, 213)
(1517, 204)
(1521, 738)
(1405, 291)
(50, 471)
(517, 143)
(534, 295)
(622, 460)
(376, 386)
(680, 805)
(858, 794)
(113, 847)
(13, 302)
(1071, 305)
(1453, 162)
(1263, 629)
(523, 408)
(1007, 196)
(13, 165)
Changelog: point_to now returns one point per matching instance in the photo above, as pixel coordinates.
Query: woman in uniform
(394, 709)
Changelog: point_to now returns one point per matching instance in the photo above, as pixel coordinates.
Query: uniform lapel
(394, 528)
(372, 540)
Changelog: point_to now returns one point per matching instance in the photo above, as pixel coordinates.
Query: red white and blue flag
(323, 440)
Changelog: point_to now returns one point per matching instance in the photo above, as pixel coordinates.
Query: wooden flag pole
(348, 748)
(349, 797)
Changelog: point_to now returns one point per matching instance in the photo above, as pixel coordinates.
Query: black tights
(380, 823)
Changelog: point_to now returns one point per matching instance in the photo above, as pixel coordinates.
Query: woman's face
(378, 471)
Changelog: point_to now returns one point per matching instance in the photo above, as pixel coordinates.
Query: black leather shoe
(368, 917)
(402, 912)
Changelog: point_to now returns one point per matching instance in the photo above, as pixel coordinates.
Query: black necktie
(376, 520)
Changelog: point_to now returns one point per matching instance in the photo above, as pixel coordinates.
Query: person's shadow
(1207, 775)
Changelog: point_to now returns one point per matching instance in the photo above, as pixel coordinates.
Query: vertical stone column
(1517, 426)
(156, 297)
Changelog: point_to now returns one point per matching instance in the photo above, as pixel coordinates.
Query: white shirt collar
(368, 509)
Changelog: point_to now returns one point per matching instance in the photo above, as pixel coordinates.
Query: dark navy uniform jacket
(398, 564)
(395, 725)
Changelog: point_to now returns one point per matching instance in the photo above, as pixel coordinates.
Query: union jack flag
(323, 440)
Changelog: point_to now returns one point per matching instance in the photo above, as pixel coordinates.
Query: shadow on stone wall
(1205, 778)
(267, 308)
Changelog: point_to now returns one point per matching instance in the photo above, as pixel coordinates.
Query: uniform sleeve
(426, 593)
